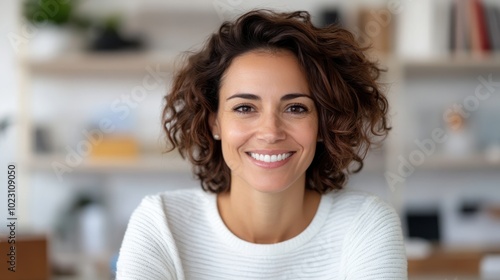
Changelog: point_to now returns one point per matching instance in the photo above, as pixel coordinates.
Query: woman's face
(267, 121)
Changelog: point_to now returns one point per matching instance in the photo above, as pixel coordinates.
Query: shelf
(451, 62)
(104, 62)
(462, 262)
(133, 62)
(144, 164)
(473, 163)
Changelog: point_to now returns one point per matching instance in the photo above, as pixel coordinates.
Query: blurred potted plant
(55, 24)
(48, 11)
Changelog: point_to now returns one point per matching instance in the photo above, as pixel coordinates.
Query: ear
(214, 124)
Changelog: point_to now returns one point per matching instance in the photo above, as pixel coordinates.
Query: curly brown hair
(352, 111)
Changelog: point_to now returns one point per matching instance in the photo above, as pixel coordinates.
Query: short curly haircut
(352, 111)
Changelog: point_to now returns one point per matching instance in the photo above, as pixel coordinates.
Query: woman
(272, 112)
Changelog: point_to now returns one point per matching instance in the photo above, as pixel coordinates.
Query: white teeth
(270, 158)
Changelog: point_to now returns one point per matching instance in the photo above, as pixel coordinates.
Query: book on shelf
(493, 17)
(474, 27)
(481, 25)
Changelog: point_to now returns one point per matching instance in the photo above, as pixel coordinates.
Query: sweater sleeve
(373, 246)
(148, 249)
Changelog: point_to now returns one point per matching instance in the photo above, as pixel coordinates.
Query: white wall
(8, 92)
(8, 70)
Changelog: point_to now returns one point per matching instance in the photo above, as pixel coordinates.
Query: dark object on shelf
(67, 227)
(470, 208)
(424, 224)
(42, 140)
(452, 44)
(111, 40)
(493, 24)
(330, 16)
(4, 124)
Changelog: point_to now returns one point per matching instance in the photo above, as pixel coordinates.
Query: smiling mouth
(270, 158)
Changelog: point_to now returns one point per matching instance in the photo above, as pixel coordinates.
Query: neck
(267, 218)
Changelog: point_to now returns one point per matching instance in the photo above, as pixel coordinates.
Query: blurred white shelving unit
(107, 64)
(443, 180)
(452, 68)
(81, 67)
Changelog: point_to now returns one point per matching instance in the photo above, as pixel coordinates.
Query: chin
(270, 186)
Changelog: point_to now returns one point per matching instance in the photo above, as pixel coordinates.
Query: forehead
(264, 72)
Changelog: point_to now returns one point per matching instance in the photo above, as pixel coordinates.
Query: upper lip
(270, 152)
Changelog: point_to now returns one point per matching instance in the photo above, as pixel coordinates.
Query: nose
(271, 128)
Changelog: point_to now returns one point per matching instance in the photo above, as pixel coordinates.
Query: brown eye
(297, 109)
(244, 109)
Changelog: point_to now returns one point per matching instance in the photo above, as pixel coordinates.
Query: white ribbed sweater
(180, 235)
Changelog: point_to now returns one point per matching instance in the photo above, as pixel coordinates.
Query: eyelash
(238, 107)
(301, 107)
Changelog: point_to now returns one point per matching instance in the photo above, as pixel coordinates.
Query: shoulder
(175, 209)
(172, 199)
(352, 196)
(159, 211)
(172, 195)
(359, 215)
(373, 246)
(375, 212)
(149, 248)
(356, 203)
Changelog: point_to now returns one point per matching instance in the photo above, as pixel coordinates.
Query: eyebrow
(256, 97)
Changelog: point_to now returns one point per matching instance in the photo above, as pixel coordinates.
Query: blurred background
(82, 87)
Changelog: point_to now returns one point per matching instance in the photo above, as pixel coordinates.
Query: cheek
(309, 141)
(235, 133)
(307, 132)
(233, 137)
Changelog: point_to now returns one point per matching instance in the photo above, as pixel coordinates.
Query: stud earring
(216, 137)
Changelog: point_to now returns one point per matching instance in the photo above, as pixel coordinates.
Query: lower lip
(275, 164)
